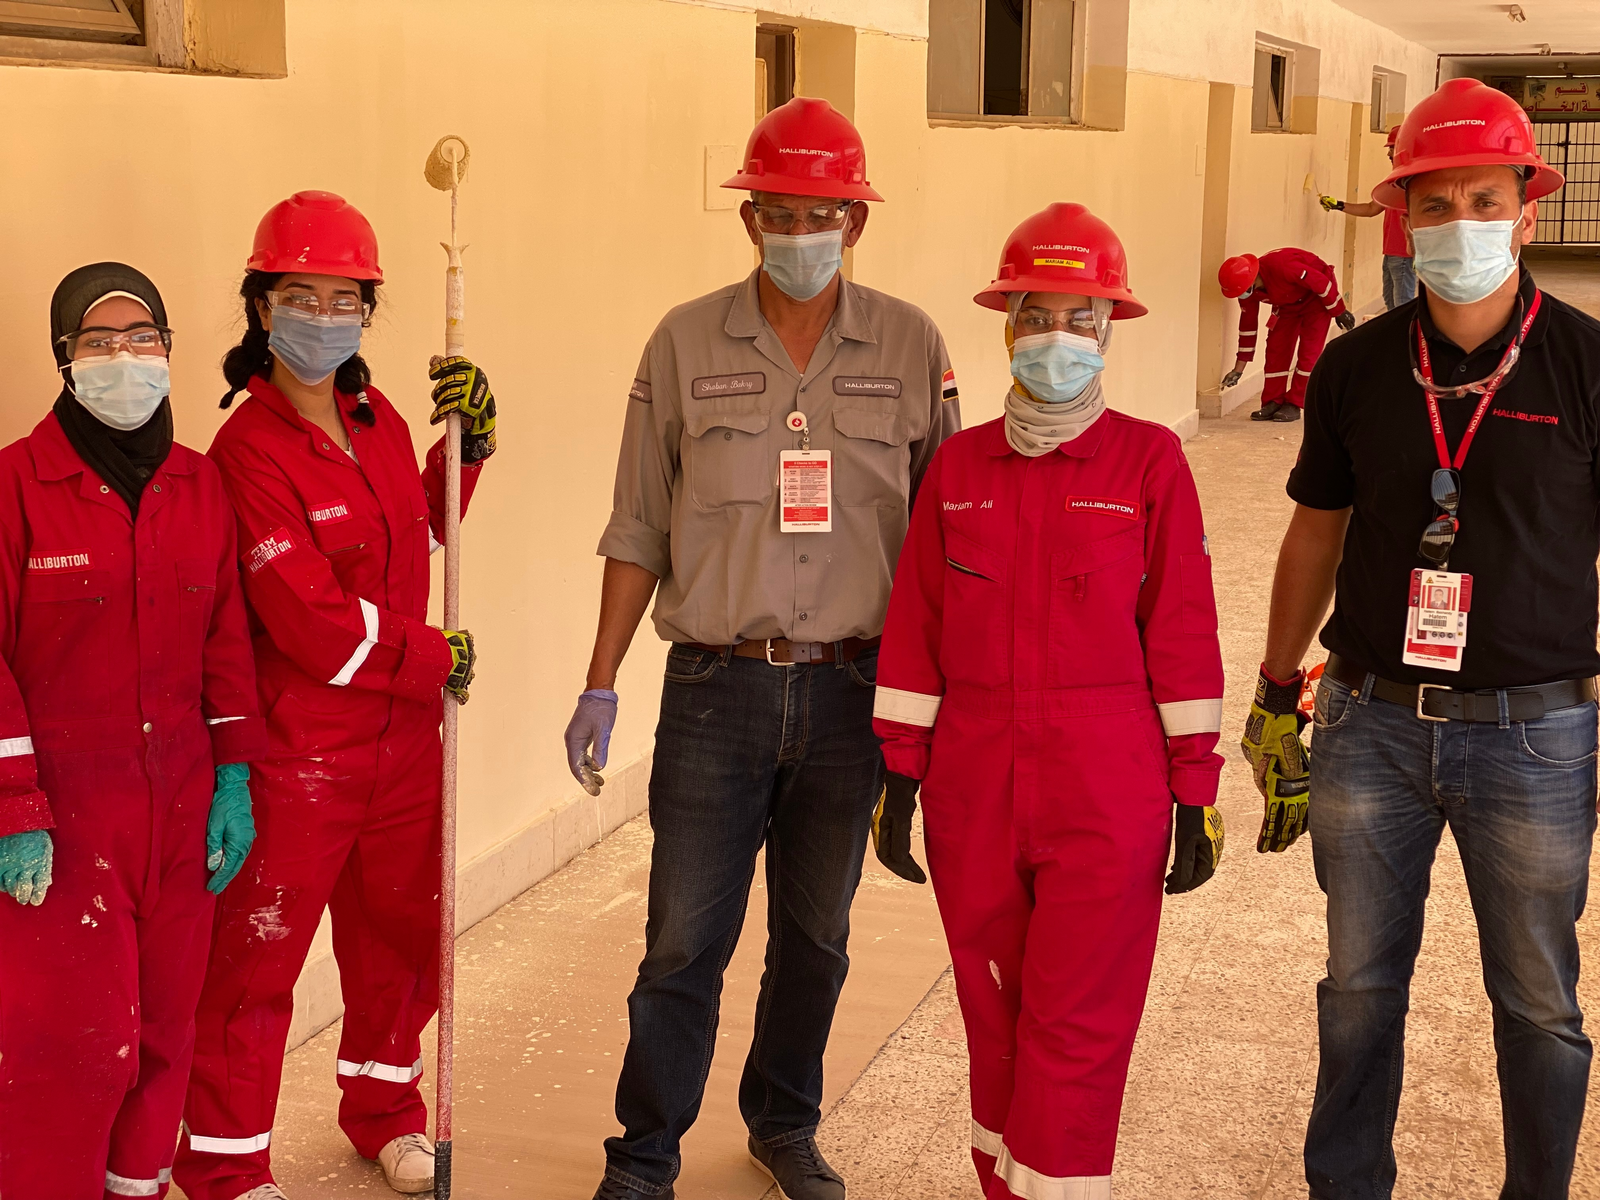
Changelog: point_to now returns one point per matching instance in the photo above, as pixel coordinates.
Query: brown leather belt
(1438, 702)
(781, 652)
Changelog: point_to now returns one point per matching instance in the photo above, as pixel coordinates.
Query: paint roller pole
(446, 169)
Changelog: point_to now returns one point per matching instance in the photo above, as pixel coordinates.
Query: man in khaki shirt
(774, 438)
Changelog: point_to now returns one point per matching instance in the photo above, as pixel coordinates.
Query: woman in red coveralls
(1050, 672)
(127, 714)
(335, 529)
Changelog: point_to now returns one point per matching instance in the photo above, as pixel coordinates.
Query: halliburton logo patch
(865, 385)
(330, 513)
(640, 391)
(1533, 418)
(1131, 509)
(269, 548)
(65, 560)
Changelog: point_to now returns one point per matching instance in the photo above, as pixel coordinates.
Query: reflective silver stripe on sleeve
(1191, 716)
(244, 1145)
(223, 720)
(369, 613)
(12, 747)
(1033, 1185)
(986, 1140)
(909, 708)
(378, 1070)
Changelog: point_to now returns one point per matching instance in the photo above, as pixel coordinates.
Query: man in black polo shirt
(1449, 484)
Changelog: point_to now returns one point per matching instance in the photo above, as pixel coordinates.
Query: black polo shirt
(1530, 492)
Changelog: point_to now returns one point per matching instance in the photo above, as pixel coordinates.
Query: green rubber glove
(25, 860)
(230, 829)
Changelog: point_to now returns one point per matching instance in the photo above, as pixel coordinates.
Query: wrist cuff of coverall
(241, 741)
(426, 664)
(1195, 785)
(908, 760)
(24, 812)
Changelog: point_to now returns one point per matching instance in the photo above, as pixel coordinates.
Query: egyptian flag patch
(948, 391)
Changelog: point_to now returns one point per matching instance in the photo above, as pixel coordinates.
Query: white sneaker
(407, 1163)
(267, 1191)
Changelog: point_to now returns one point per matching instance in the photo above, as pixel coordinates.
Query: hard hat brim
(994, 296)
(789, 185)
(277, 264)
(1542, 182)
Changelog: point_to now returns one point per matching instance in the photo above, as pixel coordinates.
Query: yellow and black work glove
(464, 658)
(1280, 760)
(1329, 204)
(891, 827)
(464, 388)
(1196, 847)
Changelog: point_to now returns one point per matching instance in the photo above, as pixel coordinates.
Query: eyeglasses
(775, 218)
(97, 342)
(1043, 320)
(1489, 383)
(1440, 535)
(307, 304)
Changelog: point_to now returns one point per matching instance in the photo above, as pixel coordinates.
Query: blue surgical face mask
(122, 390)
(802, 264)
(1055, 367)
(1464, 261)
(312, 348)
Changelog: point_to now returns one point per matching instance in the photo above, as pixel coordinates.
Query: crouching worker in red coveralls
(127, 713)
(1051, 674)
(1304, 295)
(335, 529)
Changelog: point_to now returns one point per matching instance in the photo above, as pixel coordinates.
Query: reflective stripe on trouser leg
(1281, 337)
(121, 1185)
(222, 1145)
(378, 1070)
(1032, 1185)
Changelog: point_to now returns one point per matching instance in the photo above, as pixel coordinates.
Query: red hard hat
(317, 233)
(1237, 274)
(805, 148)
(1394, 132)
(1465, 123)
(1065, 248)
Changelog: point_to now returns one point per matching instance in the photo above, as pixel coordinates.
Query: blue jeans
(1519, 798)
(1399, 281)
(746, 754)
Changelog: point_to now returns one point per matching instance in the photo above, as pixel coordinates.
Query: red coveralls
(126, 677)
(1304, 296)
(335, 568)
(1050, 669)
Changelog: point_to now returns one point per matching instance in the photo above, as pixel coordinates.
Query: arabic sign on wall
(1562, 99)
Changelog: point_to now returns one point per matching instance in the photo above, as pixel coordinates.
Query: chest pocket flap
(967, 556)
(55, 587)
(341, 533)
(889, 428)
(700, 422)
(725, 452)
(1087, 557)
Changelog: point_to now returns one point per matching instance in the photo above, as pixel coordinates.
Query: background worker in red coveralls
(1304, 296)
(1051, 674)
(335, 528)
(127, 713)
(1399, 272)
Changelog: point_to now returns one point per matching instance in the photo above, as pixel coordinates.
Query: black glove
(1196, 847)
(1345, 320)
(464, 388)
(891, 827)
(1231, 378)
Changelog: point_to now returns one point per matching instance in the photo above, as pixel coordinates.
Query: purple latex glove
(591, 724)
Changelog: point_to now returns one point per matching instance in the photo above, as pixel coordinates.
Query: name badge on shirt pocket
(866, 385)
(708, 387)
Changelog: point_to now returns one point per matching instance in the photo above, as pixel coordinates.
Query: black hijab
(125, 459)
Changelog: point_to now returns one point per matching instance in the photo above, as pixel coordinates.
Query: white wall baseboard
(498, 875)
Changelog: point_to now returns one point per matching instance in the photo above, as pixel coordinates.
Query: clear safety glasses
(343, 309)
(96, 342)
(774, 218)
(1440, 535)
(1031, 321)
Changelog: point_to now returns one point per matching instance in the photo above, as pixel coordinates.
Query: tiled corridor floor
(1225, 1063)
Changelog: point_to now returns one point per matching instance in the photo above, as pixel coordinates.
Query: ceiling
(1484, 27)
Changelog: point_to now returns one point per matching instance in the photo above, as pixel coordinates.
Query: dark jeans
(1519, 798)
(1399, 281)
(747, 754)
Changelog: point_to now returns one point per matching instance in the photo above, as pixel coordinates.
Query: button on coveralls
(1051, 672)
(126, 677)
(1304, 295)
(334, 557)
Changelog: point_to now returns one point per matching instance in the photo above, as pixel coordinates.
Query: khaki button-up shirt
(696, 499)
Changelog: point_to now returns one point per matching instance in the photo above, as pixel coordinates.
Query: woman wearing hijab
(336, 525)
(127, 714)
(1051, 678)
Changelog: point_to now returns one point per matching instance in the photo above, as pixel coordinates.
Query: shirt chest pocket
(197, 593)
(337, 528)
(1094, 592)
(975, 639)
(727, 457)
(872, 463)
(62, 640)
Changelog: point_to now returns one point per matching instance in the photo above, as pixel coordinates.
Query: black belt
(1439, 702)
(781, 652)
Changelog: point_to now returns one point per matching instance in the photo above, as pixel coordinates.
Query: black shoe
(611, 1189)
(1287, 414)
(799, 1170)
(1267, 412)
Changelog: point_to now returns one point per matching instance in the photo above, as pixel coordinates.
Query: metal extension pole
(446, 168)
